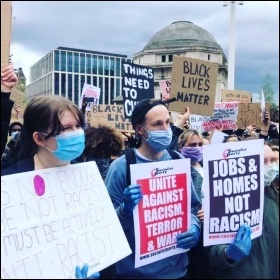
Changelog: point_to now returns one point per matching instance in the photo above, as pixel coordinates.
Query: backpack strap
(173, 154)
(131, 159)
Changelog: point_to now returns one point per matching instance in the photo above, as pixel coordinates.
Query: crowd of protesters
(54, 134)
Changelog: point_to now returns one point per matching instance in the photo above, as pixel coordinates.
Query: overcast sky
(126, 27)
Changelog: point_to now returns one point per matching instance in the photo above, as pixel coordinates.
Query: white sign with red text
(165, 209)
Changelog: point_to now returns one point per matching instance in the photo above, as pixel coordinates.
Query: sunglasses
(16, 129)
(195, 145)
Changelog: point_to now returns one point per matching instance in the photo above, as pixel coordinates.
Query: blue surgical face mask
(14, 133)
(158, 140)
(70, 145)
(276, 168)
(269, 174)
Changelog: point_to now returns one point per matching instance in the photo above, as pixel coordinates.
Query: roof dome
(182, 34)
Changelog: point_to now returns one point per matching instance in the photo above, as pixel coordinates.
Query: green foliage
(269, 91)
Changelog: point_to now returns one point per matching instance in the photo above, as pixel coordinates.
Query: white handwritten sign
(224, 117)
(55, 219)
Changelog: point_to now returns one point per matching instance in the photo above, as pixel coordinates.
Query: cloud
(125, 27)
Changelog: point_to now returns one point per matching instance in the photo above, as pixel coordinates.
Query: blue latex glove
(189, 238)
(132, 196)
(241, 245)
(82, 273)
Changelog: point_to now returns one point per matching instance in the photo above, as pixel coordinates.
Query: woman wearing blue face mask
(151, 120)
(51, 136)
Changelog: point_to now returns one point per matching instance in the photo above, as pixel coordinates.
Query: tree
(269, 91)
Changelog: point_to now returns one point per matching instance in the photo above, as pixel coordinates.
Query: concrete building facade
(182, 38)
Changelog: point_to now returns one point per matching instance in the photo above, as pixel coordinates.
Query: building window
(82, 61)
(94, 64)
(56, 60)
(63, 84)
(100, 65)
(106, 65)
(76, 88)
(170, 58)
(69, 62)
(56, 83)
(101, 90)
(112, 66)
(118, 67)
(63, 61)
(89, 80)
(70, 87)
(106, 90)
(76, 62)
(112, 88)
(163, 58)
(88, 67)
(83, 79)
(94, 81)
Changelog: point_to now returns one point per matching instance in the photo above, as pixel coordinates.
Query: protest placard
(165, 88)
(137, 84)
(90, 95)
(224, 117)
(196, 120)
(17, 96)
(110, 115)
(54, 219)
(228, 95)
(248, 114)
(233, 190)
(164, 211)
(217, 137)
(194, 85)
(6, 25)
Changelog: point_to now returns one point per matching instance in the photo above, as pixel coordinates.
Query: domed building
(182, 38)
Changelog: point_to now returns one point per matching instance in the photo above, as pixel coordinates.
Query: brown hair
(43, 114)
(102, 142)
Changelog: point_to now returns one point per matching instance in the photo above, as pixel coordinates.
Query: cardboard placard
(229, 95)
(6, 23)
(17, 96)
(249, 113)
(110, 115)
(194, 85)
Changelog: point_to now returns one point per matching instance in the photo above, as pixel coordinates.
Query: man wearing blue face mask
(151, 121)
(258, 258)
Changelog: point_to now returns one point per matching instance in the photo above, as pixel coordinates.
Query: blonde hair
(186, 135)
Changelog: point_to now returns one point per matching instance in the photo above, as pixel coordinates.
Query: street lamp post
(231, 56)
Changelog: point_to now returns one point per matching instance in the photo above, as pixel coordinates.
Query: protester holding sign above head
(150, 119)
(268, 129)
(51, 136)
(8, 81)
(258, 258)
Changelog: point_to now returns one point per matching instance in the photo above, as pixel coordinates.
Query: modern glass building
(64, 71)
